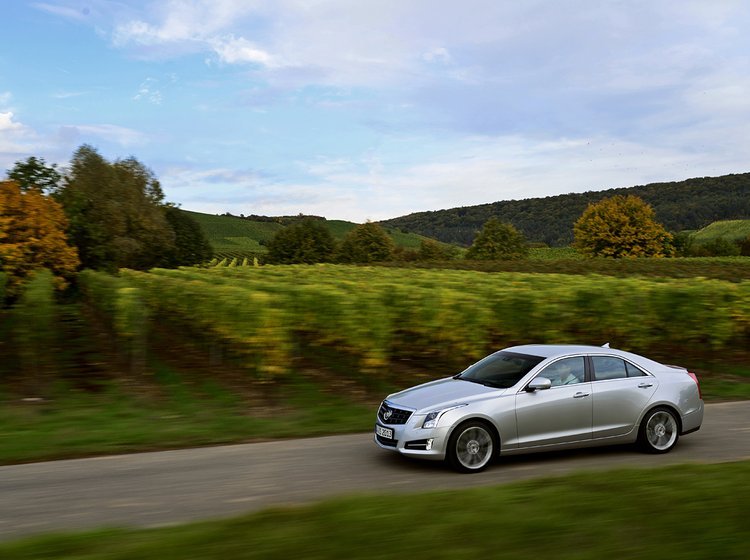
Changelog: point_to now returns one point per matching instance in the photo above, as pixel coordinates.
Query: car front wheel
(659, 431)
(471, 447)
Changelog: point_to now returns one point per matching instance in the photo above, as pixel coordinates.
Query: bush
(366, 243)
(307, 242)
(431, 250)
(498, 241)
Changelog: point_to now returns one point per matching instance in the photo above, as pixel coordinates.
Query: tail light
(695, 378)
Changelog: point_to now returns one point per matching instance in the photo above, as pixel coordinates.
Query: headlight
(432, 418)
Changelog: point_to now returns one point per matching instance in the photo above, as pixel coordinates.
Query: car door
(558, 415)
(621, 391)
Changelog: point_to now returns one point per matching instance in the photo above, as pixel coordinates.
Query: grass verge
(169, 412)
(692, 511)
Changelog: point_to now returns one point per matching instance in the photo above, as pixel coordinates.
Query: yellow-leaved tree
(621, 226)
(32, 236)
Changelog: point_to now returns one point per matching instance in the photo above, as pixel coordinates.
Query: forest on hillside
(683, 205)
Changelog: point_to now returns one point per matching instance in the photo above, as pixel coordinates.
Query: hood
(446, 392)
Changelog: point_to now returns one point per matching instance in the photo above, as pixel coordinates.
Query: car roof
(555, 350)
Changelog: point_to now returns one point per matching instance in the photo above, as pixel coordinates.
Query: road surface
(170, 487)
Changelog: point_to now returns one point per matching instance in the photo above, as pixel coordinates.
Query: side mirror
(538, 384)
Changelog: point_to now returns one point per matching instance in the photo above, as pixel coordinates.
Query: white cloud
(68, 94)
(233, 50)
(68, 12)
(16, 139)
(7, 124)
(123, 136)
(148, 91)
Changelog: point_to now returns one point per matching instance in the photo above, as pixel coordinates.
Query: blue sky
(371, 109)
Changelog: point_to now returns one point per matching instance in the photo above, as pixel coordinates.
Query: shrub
(498, 241)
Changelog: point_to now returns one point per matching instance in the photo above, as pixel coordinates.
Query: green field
(731, 230)
(231, 236)
(678, 512)
(566, 261)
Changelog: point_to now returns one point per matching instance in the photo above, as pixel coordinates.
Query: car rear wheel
(471, 447)
(659, 430)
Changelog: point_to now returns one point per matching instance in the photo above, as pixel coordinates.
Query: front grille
(386, 442)
(389, 415)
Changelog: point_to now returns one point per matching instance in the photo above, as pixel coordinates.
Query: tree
(36, 174)
(498, 241)
(366, 243)
(190, 243)
(32, 236)
(117, 218)
(621, 226)
(307, 241)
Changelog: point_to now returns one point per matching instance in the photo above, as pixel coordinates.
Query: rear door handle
(580, 395)
(645, 385)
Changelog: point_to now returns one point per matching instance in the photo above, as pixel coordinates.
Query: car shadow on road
(614, 456)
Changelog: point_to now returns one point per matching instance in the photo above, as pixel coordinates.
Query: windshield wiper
(484, 382)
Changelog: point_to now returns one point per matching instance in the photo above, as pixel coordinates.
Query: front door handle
(580, 395)
(645, 385)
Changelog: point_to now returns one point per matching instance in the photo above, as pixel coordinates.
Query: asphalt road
(170, 487)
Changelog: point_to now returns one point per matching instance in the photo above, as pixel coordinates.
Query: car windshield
(501, 369)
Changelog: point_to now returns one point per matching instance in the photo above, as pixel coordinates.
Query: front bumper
(412, 440)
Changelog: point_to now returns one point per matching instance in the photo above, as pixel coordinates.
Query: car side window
(606, 367)
(634, 371)
(565, 372)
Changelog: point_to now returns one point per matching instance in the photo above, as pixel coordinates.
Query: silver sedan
(542, 397)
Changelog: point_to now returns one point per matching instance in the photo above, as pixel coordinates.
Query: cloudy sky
(371, 109)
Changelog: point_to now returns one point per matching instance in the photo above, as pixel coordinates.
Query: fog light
(429, 445)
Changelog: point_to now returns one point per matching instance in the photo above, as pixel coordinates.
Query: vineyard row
(378, 315)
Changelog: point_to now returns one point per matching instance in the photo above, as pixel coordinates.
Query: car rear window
(501, 369)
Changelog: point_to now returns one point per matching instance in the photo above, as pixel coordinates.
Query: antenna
(605, 345)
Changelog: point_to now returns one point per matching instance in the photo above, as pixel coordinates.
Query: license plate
(386, 433)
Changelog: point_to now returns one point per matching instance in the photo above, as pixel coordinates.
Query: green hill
(684, 205)
(232, 236)
(731, 230)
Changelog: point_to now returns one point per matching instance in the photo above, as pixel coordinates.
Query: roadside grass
(683, 512)
(725, 388)
(731, 381)
(169, 412)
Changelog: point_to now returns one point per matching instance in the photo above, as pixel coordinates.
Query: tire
(659, 431)
(471, 447)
